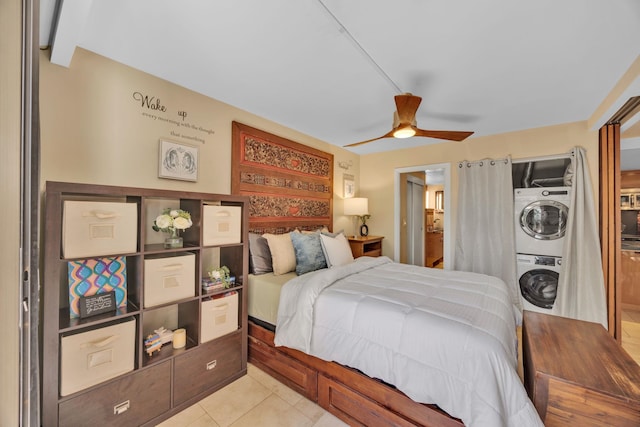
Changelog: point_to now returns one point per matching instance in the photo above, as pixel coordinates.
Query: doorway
(630, 247)
(617, 223)
(399, 217)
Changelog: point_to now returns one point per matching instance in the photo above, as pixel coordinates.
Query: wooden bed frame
(295, 191)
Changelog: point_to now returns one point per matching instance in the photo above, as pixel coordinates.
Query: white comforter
(440, 337)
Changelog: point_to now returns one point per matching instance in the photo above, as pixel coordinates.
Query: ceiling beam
(71, 20)
(627, 87)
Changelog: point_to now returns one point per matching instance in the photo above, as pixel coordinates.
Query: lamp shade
(356, 206)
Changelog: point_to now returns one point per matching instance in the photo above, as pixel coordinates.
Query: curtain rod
(568, 155)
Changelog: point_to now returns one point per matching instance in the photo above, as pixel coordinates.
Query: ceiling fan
(404, 123)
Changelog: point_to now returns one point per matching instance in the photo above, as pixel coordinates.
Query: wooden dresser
(577, 375)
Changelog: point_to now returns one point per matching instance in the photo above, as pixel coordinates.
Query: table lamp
(359, 208)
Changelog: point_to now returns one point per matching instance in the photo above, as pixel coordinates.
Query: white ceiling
(488, 66)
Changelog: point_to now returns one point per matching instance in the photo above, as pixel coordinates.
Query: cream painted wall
(94, 131)
(377, 170)
(10, 315)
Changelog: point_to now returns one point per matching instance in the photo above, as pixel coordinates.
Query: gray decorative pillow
(259, 255)
(308, 250)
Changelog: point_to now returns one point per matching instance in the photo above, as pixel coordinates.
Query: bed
(438, 336)
(310, 358)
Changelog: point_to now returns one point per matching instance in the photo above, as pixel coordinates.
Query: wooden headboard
(290, 185)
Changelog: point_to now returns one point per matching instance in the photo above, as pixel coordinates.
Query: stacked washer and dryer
(541, 215)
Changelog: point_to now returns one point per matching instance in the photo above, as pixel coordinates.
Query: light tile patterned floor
(254, 400)
(259, 400)
(631, 333)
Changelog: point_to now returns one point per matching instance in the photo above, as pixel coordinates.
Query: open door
(610, 228)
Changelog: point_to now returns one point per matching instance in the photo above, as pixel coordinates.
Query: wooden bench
(576, 374)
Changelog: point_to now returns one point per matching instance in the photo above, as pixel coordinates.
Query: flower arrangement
(172, 220)
(220, 275)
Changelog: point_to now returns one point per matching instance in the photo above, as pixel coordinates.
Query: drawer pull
(221, 307)
(100, 343)
(121, 407)
(171, 267)
(101, 215)
(211, 365)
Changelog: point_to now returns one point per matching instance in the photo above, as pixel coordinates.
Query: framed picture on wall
(349, 186)
(177, 161)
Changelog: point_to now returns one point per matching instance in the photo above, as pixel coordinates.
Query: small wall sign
(97, 304)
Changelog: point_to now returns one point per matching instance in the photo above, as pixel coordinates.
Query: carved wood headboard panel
(290, 185)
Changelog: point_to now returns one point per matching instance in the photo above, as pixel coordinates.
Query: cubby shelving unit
(168, 381)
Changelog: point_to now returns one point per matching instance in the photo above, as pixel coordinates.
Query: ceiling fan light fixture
(404, 132)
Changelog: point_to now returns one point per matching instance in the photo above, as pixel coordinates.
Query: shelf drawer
(221, 225)
(99, 228)
(219, 316)
(203, 368)
(89, 358)
(169, 279)
(141, 396)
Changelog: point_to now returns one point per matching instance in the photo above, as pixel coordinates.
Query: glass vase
(174, 240)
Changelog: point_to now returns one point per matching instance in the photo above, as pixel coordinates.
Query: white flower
(163, 221)
(172, 220)
(181, 223)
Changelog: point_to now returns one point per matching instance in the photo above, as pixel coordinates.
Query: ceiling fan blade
(386, 135)
(407, 105)
(451, 135)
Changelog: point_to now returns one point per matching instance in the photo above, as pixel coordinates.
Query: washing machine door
(544, 219)
(540, 287)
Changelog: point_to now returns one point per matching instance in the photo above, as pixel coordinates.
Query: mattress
(264, 295)
(441, 337)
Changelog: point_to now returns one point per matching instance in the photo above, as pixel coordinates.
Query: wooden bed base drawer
(294, 374)
(353, 408)
(345, 392)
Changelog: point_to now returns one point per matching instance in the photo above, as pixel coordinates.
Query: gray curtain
(581, 291)
(485, 236)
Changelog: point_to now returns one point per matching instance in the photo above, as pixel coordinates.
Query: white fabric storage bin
(169, 279)
(219, 317)
(98, 228)
(89, 358)
(221, 225)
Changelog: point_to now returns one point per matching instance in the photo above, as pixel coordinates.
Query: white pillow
(336, 250)
(282, 253)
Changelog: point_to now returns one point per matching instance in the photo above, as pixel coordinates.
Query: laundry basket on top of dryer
(541, 215)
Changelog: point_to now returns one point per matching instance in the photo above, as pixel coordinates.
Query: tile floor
(267, 402)
(263, 401)
(631, 333)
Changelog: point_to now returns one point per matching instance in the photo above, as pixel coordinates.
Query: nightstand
(366, 246)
